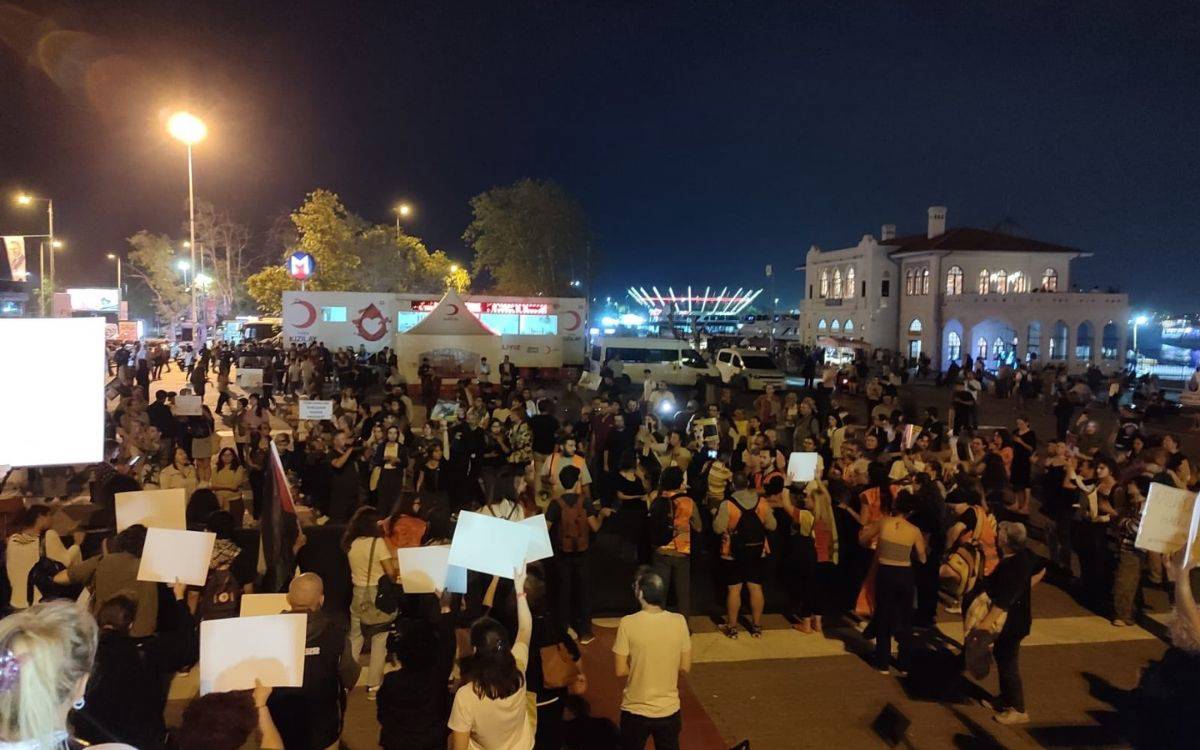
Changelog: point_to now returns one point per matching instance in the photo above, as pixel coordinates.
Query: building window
(849, 326)
(910, 281)
(915, 326)
(983, 281)
(835, 326)
(864, 289)
(925, 281)
(810, 291)
(1016, 283)
(885, 287)
(333, 315)
(914, 349)
(824, 283)
(998, 348)
(850, 281)
(953, 346)
(981, 348)
(1049, 280)
(837, 283)
(1001, 282)
(954, 280)
(822, 325)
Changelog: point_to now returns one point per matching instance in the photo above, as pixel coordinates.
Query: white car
(749, 369)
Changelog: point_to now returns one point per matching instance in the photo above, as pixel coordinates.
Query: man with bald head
(310, 717)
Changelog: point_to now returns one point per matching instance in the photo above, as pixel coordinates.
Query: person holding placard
(1127, 577)
(227, 721)
(115, 573)
(490, 711)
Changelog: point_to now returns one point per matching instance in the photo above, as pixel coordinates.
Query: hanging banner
(15, 249)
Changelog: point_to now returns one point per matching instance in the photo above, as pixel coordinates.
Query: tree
(267, 286)
(532, 237)
(152, 261)
(401, 263)
(224, 246)
(329, 233)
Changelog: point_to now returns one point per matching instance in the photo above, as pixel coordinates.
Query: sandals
(754, 630)
(729, 631)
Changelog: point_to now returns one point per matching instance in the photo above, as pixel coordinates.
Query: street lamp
(117, 258)
(401, 209)
(1140, 320)
(25, 199)
(190, 130)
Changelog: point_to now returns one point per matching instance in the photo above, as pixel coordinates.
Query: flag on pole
(14, 248)
(278, 527)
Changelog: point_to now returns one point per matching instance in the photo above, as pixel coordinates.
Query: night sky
(704, 139)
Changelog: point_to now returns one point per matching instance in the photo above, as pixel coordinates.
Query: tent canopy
(450, 318)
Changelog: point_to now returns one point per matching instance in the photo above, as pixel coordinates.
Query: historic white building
(948, 293)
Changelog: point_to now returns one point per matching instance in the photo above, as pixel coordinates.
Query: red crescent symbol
(455, 309)
(312, 313)
(578, 320)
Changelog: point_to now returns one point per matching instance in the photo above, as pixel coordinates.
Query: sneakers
(1011, 717)
(729, 631)
(754, 630)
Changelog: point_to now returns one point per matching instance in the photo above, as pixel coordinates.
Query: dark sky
(704, 139)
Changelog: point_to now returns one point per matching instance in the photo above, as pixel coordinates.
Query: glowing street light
(1140, 320)
(453, 268)
(401, 209)
(203, 279)
(25, 199)
(117, 258)
(189, 130)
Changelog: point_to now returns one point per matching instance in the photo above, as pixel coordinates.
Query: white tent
(453, 340)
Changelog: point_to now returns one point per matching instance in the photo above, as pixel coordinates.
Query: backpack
(41, 577)
(962, 569)
(221, 596)
(748, 536)
(572, 527)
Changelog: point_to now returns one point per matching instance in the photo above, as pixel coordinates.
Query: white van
(749, 369)
(669, 361)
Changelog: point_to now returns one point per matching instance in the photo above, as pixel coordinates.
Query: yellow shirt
(655, 643)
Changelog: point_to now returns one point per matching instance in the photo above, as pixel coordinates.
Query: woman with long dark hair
(228, 479)
(490, 710)
(369, 559)
(387, 478)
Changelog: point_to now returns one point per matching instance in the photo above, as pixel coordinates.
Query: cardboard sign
(802, 467)
(590, 381)
(249, 378)
(236, 651)
(444, 411)
(539, 538)
(154, 509)
(489, 545)
(189, 406)
(258, 605)
(171, 555)
(1193, 545)
(315, 410)
(424, 570)
(1166, 519)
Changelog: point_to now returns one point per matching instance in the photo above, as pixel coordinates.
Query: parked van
(749, 369)
(670, 361)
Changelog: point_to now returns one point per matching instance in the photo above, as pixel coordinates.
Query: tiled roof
(967, 238)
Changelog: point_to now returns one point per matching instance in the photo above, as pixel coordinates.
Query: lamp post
(1140, 320)
(402, 209)
(117, 258)
(190, 130)
(24, 199)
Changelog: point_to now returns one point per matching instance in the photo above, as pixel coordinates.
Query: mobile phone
(712, 453)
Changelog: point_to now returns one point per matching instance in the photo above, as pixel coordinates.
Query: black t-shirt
(1054, 495)
(1009, 587)
(544, 428)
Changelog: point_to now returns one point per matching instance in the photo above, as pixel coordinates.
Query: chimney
(887, 233)
(937, 221)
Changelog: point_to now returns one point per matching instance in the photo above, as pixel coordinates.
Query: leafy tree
(152, 261)
(532, 237)
(402, 263)
(267, 286)
(329, 233)
(224, 245)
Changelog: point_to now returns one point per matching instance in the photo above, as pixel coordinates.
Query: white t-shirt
(655, 643)
(360, 559)
(506, 509)
(495, 724)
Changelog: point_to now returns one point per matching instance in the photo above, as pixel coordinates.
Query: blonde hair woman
(46, 655)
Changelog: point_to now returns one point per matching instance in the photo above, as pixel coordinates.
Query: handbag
(369, 613)
(559, 670)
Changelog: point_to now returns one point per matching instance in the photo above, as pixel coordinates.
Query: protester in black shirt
(413, 702)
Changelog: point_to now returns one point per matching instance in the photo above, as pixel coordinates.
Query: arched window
(953, 346)
(910, 282)
(835, 326)
(998, 348)
(1033, 340)
(1083, 341)
(1058, 340)
(954, 280)
(849, 326)
(837, 284)
(915, 326)
(1110, 342)
(981, 348)
(850, 282)
(1001, 282)
(1049, 280)
(822, 325)
(983, 281)
(925, 281)
(824, 283)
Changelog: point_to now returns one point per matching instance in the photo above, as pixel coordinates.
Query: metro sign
(301, 266)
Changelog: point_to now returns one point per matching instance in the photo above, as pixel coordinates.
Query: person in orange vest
(673, 517)
(743, 521)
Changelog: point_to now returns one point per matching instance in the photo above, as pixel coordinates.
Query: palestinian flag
(278, 526)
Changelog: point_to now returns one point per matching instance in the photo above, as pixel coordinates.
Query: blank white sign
(539, 538)
(316, 410)
(249, 378)
(424, 570)
(236, 651)
(255, 605)
(189, 406)
(1166, 519)
(154, 509)
(802, 467)
(171, 555)
(52, 391)
(488, 544)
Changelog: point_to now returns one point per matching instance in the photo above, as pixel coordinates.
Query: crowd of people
(912, 507)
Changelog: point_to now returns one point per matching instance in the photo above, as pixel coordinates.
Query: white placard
(590, 381)
(189, 406)
(249, 378)
(236, 651)
(53, 414)
(154, 509)
(489, 545)
(316, 410)
(802, 467)
(257, 605)
(171, 555)
(539, 538)
(1193, 545)
(424, 570)
(1166, 519)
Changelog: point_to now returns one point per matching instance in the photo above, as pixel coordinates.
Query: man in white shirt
(648, 385)
(652, 647)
